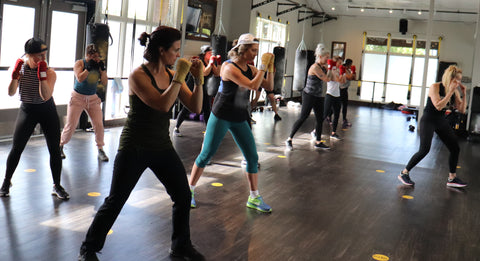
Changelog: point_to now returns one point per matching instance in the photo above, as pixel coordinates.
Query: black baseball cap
(35, 45)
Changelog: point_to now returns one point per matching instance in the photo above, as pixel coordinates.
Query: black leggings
(344, 99)
(310, 102)
(206, 109)
(128, 167)
(436, 123)
(334, 103)
(29, 115)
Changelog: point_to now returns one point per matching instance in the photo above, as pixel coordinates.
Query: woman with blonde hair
(441, 96)
(230, 113)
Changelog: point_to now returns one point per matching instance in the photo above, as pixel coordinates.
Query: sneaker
(258, 204)
(335, 137)
(187, 253)
(346, 124)
(101, 155)
(253, 121)
(62, 155)
(60, 192)
(405, 179)
(456, 183)
(176, 132)
(86, 255)
(5, 190)
(193, 204)
(244, 163)
(277, 117)
(321, 145)
(288, 145)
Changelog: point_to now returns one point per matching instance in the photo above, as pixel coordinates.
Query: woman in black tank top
(145, 141)
(441, 95)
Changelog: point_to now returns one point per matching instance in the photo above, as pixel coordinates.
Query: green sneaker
(193, 204)
(258, 204)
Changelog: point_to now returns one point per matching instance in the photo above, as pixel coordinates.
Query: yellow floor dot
(111, 232)
(380, 257)
(407, 197)
(30, 170)
(281, 156)
(380, 171)
(458, 167)
(94, 194)
(323, 141)
(216, 184)
(267, 143)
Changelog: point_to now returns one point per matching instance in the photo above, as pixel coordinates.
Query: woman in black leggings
(312, 98)
(38, 107)
(441, 96)
(145, 141)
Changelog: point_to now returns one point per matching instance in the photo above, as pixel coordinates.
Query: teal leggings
(242, 134)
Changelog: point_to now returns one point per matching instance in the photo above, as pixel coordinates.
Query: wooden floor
(342, 204)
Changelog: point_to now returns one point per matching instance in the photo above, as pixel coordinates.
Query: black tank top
(430, 108)
(314, 85)
(146, 128)
(231, 102)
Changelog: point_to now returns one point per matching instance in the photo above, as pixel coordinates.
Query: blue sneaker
(258, 204)
(193, 204)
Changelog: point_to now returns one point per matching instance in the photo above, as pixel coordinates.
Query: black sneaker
(288, 145)
(346, 124)
(277, 117)
(60, 192)
(101, 155)
(322, 146)
(455, 182)
(86, 255)
(62, 155)
(405, 179)
(188, 253)
(335, 137)
(5, 190)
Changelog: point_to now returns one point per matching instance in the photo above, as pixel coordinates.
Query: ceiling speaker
(403, 28)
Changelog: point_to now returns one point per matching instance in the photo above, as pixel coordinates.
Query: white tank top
(333, 88)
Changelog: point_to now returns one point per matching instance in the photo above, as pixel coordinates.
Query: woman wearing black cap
(212, 65)
(38, 107)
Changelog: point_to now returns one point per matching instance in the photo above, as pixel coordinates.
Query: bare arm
(231, 73)
(79, 71)
(317, 71)
(434, 95)
(46, 86)
(461, 99)
(12, 87)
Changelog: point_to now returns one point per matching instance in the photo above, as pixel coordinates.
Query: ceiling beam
(261, 3)
(295, 7)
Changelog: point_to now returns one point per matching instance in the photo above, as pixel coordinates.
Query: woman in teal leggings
(230, 113)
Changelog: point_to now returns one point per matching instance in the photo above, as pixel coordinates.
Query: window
(270, 34)
(387, 69)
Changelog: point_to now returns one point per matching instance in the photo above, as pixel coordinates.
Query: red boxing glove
(342, 69)
(16, 69)
(212, 59)
(353, 69)
(331, 64)
(42, 70)
(219, 59)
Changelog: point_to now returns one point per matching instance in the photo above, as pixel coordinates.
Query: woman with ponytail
(448, 94)
(145, 140)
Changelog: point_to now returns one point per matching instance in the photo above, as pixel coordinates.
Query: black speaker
(403, 28)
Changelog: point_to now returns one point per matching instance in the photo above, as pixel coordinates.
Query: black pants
(128, 167)
(206, 109)
(428, 125)
(310, 102)
(344, 102)
(332, 104)
(28, 117)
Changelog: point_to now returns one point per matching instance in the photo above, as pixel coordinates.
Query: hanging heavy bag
(279, 53)
(99, 34)
(219, 47)
(300, 70)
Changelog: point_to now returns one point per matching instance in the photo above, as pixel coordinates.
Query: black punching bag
(279, 53)
(219, 47)
(98, 34)
(303, 60)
